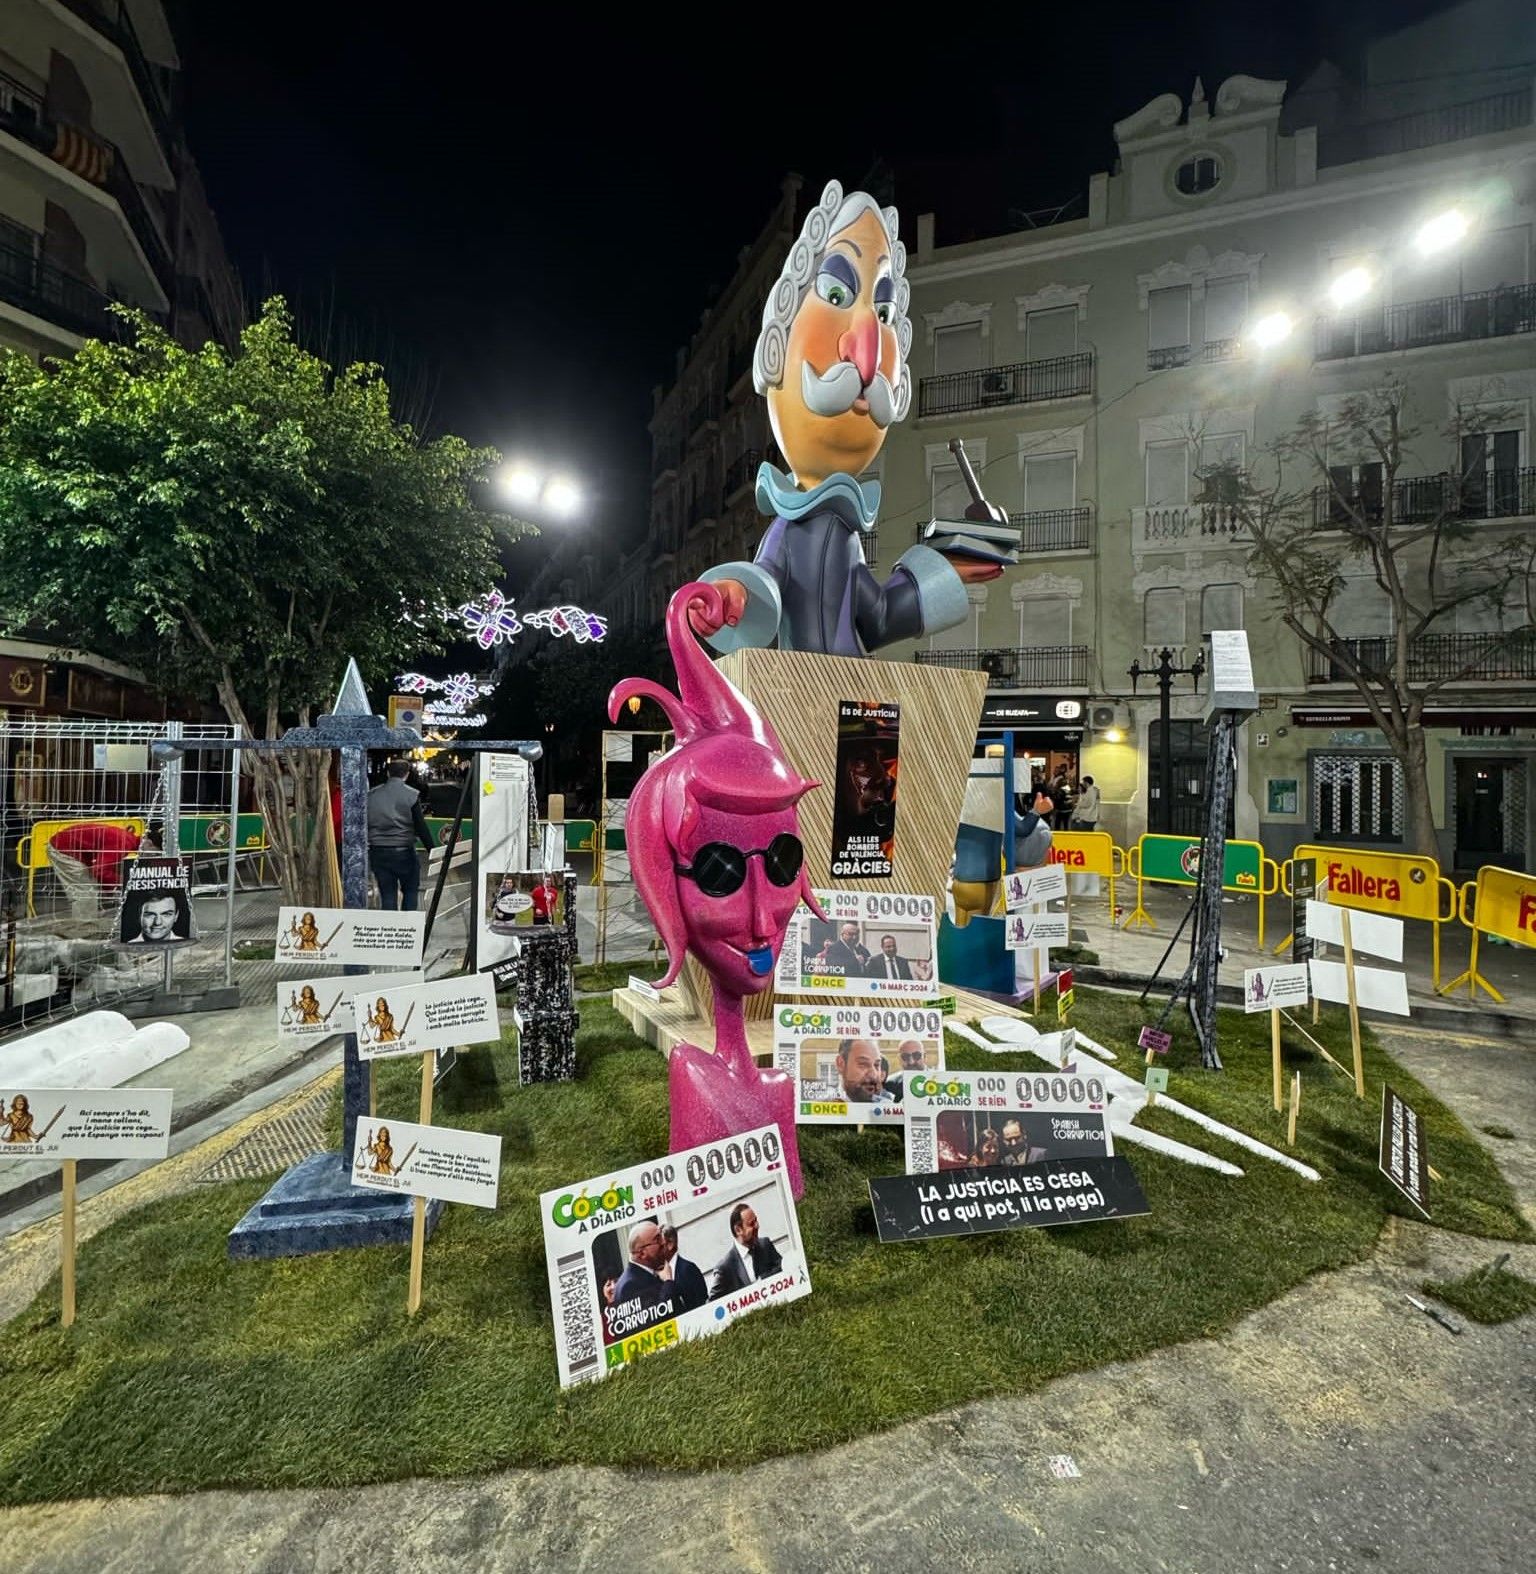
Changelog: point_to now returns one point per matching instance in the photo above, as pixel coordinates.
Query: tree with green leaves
(1397, 582)
(237, 524)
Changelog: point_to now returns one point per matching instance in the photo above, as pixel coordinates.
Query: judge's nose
(861, 345)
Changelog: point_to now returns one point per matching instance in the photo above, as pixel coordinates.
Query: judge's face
(861, 1073)
(157, 918)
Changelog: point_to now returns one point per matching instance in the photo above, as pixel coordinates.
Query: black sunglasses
(718, 869)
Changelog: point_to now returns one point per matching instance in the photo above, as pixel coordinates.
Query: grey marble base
(316, 1208)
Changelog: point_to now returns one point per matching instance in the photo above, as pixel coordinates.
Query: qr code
(920, 1147)
(579, 1331)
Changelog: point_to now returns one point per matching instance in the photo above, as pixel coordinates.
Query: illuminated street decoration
(492, 620)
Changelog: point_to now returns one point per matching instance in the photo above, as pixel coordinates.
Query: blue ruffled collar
(777, 494)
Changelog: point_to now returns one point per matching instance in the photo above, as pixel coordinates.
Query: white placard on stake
(370, 937)
(427, 1161)
(1376, 988)
(445, 1014)
(1377, 934)
(85, 1123)
(1035, 931)
(316, 1008)
(1274, 988)
(1029, 887)
(1231, 665)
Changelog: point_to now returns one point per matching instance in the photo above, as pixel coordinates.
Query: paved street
(1337, 1429)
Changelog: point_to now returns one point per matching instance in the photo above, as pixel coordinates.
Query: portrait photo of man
(861, 1071)
(889, 963)
(752, 1255)
(848, 954)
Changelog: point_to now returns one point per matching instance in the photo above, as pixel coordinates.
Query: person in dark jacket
(396, 823)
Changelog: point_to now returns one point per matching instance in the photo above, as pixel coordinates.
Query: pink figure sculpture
(715, 848)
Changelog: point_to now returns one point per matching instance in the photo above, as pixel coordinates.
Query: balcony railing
(110, 18)
(1055, 529)
(91, 157)
(1445, 657)
(1023, 667)
(1421, 500)
(1479, 117)
(743, 471)
(1170, 355)
(1445, 319)
(996, 387)
(46, 291)
(1177, 527)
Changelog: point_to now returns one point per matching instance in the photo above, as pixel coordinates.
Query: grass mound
(1487, 1296)
(595, 977)
(189, 1371)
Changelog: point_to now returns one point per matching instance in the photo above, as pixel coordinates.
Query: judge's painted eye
(834, 291)
(885, 299)
(885, 311)
(836, 282)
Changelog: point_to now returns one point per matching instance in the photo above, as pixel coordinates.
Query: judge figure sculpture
(831, 359)
(714, 843)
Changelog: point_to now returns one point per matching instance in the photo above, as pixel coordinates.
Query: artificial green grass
(188, 1371)
(1487, 1295)
(601, 977)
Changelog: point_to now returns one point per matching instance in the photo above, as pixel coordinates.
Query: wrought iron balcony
(46, 291)
(110, 18)
(1171, 355)
(1055, 530)
(1421, 500)
(742, 471)
(1022, 667)
(1444, 319)
(997, 387)
(92, 158)
(1180, 527)
(1478, 117)
(1504, 658)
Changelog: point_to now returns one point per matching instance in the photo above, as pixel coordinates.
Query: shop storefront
(1047, 728)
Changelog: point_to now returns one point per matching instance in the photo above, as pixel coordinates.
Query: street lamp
(1350, 286)
(562, 497)
(527, 487)
(1165, 672)
(520, 484)
(1444, 230)
(1271, 329)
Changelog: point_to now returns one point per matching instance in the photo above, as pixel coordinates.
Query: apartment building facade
(1103, 370)
(100, 200)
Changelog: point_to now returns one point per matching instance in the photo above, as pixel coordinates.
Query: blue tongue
(760, 959)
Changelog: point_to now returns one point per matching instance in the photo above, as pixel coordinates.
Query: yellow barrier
(32, 851)
(1402, 885)
(1087, 852)
(1503, 905)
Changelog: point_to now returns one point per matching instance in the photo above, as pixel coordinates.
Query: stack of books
(989, 540)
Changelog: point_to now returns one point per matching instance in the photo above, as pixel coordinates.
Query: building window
(1221, 607)
(1198, 174)
(1490, 476)
(1164, 618)
(958, 349)
(1050, 482)
(1050, 334)
(1168, 327)
(1226, 311)
(1045, 621)
(1168, 474)
(1354, 490)
(1219, 467)
(951, 496)
(1357, 798)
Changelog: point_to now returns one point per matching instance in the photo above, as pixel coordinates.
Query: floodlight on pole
(1350, 286)
(520, 483)
(1442, 231)
(562, 497)
(1271, 329)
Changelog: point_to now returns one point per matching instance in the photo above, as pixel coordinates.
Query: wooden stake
(1034, 999)
(1354, 1006)
(419, 1212)
(1290, 1129)
(1343, 1070)
(67, 1247)
(1274, 1052)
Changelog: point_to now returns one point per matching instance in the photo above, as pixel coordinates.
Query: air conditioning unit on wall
(1109, 716)
(999, 667)
(997, 387)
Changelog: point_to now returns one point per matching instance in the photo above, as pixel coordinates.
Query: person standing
(396, 822)
(1085, 813)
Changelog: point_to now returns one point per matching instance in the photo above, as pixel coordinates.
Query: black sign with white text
(1403, 1159)
(1303, 890)
(1030, 1196)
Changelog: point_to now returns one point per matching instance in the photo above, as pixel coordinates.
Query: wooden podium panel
(798, 692)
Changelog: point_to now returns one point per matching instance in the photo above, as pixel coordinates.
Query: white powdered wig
(823, 224)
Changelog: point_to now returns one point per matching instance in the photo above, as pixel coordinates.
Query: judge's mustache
(834, 391)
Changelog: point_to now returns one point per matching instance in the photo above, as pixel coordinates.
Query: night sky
(527, 226)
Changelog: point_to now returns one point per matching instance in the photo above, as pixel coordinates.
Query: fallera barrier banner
(1402, 884)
